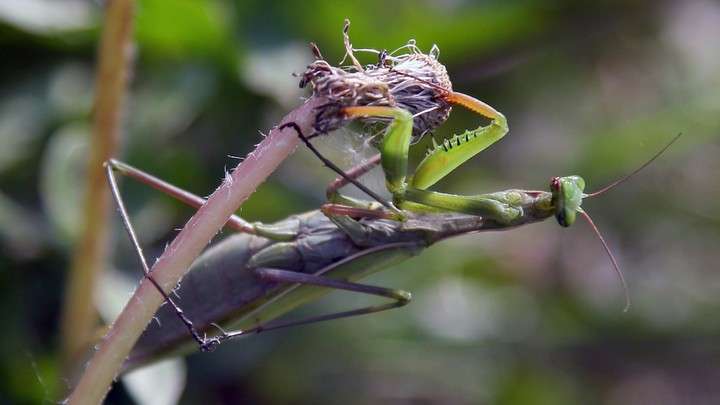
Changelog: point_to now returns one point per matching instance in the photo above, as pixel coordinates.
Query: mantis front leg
(442, 159)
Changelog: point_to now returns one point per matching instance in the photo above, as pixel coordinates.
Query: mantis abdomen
(223, 288)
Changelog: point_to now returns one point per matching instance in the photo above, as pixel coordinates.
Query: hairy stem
(175, 261)
(79, 318)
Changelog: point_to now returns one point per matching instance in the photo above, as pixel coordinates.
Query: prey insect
(251, 279)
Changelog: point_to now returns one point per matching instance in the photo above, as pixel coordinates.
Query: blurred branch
(79, 315)
(174, 263)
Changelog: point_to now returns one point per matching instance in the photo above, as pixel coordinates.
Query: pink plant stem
(177, 258)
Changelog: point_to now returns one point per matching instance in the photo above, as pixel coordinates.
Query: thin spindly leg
(335, 210)
(191, 199)
(354, 173)
(234, 222)
(185, 196)
(202, 342)
(399, 298)
(336, 169)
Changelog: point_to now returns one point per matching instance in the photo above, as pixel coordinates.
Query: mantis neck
(502, 209)
(508, 209)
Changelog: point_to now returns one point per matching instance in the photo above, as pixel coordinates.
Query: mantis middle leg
(334, 277)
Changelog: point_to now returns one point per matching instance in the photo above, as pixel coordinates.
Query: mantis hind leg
(399, 298)
(237, 223)
(176, 192)
(195, 201)
(337, 276)
(202, 342)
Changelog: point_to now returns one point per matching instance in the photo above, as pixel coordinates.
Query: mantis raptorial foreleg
(442, 159)
(336, 169)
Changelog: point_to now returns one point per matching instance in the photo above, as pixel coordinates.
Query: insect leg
(395, 143)
(235, 222)
(445, 157)
(354, 173)
(336, 169)
(399, 297)
(185, 196)
(202, 342)
(338, 210)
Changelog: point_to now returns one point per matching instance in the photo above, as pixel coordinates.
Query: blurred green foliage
(526, 316)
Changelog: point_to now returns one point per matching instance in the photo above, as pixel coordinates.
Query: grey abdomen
(221, 286)
(218, 283)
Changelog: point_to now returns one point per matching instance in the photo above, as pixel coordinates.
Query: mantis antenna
(597, 231)
(614, 262)
(636, 171)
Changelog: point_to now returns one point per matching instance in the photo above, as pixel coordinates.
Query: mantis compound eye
(555, 184)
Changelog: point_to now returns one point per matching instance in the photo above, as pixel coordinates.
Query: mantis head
(567, 196)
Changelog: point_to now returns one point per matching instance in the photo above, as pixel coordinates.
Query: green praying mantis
(248, 281)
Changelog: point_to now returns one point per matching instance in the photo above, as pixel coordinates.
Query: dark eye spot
(560, 216)
(555, 184)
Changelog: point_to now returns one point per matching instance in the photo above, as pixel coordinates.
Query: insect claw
(209, 345)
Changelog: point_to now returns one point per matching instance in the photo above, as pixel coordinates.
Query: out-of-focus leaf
(185, 28)
(168, 102)
(47, 16)
(533, 386)
(161, 383)
(21, 119)
(21, 230)
(267, 71)
(70, 90)
(62, 178)
(113, 292)
(457, 27)
(457, 309)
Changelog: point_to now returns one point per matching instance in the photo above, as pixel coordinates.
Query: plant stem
(175, 261)
(79, 319)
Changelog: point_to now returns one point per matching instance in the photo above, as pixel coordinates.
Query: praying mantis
(250, 280)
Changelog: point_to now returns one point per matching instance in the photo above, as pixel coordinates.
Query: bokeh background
(529, 316)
